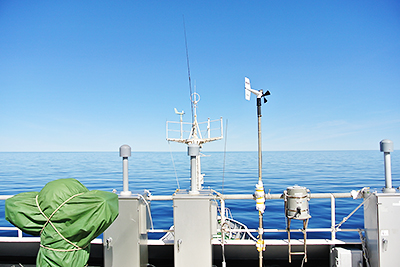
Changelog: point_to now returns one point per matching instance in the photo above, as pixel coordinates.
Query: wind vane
(259, 194)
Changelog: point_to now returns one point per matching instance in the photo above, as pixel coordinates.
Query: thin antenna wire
(188, 66)
(173, 163)
(223, 169)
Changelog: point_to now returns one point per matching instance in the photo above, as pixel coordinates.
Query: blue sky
(93, 75)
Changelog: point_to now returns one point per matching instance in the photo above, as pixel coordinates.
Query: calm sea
(163, 172)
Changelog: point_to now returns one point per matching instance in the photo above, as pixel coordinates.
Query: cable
(302, 262)
(364, 249)
(351, 213)
(223, 168)
(173, 164)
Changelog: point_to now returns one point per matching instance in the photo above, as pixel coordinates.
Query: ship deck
(22, 253)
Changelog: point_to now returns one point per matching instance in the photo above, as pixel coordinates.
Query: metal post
(125, 152)
(305, 223)
(208, 128)
(259, 139)
(193, 175)
(259, 187)
(388, 170)
(261, 230)
(181, 126)
(333, 218)
(222, 201)
(289, 244)
(260, 214)
(222, 128)
(387, 147)
(193, 152)
(125, 174)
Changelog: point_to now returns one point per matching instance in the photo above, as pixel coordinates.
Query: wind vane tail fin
(247, 88)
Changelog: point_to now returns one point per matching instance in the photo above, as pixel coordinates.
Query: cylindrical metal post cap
(193, 150)
(386, 145)
(125, 151)
(297, 191)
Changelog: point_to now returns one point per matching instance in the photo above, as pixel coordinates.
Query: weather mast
(195, 140)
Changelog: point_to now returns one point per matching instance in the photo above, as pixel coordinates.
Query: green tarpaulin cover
(66, 216)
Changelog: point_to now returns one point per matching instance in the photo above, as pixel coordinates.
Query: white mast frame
(195, 138)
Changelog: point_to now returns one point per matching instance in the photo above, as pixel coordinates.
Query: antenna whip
(188, 66)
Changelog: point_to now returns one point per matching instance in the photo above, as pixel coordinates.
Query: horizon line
(220, 151)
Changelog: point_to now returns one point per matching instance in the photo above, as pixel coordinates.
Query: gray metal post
(259, 139)
(125, 152)
(125, 241)
(387, 147)
(193, 152)
(260, 214)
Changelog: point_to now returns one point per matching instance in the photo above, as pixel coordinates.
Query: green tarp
(66, 216)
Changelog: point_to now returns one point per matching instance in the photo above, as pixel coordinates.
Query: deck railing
(208, 129)
(9, 228)
(332, 196)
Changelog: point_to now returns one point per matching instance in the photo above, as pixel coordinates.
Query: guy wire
(173, 164)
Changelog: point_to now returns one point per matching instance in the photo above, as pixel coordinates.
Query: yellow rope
(48, 221)
(62, 250)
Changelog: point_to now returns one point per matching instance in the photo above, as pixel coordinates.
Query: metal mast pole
(260, 214)
(259, 139)
(259, 195)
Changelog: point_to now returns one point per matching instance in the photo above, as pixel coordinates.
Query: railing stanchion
(333, 218)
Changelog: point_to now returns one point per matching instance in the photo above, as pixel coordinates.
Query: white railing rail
(9, 228)
(332, 196)
(186, 128)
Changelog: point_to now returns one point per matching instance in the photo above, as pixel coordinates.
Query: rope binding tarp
(66, 216)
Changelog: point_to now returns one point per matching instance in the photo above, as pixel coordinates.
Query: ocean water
(163, 172)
